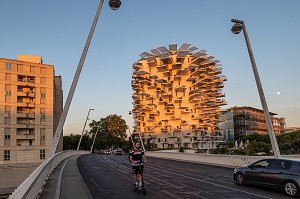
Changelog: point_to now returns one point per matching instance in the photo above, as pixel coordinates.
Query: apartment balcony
(177, 78)
(174, 117)
(164, 130)
(167, 95)
(162, 68)
(25, 114)
(180, 89)
(25, 136)
(177, 130)
(186, 111)
(172, 135)
(176, 66)
(169, 112)
(151, 86)
(178, 100)
(151, 120)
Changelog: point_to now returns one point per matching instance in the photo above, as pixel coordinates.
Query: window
(7, 92)
(30, 142)
(7, 136)
(43, 95)
(43, 137)
(43, 115)
(7, 114)
(8, 66)
(262, 164)
(158, 139)
(6, 155)
(42, 154)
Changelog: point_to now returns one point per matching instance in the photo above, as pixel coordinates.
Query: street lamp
(114, 4)
(236, 29)
(92, 146)
(87, 117)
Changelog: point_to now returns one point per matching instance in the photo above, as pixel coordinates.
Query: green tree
(70, 142)
(111, 132)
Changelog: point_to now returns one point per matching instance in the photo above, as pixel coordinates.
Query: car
(119, 152)
(278, 173)
(107, 152)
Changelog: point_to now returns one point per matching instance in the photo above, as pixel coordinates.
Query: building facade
(30, 107)
(241, 121)
(177, 97)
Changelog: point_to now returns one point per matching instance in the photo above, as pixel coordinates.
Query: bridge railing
(32, 186)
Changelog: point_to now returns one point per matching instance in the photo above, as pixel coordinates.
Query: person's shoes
(140, 188)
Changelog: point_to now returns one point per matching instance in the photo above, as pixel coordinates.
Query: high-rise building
(30, 107)
(177, 97)
(240, 121)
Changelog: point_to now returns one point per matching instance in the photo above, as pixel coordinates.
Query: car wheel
(291, 188)
(240, 179)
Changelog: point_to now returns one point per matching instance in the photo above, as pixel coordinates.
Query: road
(109, 176)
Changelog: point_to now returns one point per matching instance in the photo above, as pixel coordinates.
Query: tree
(111, 131)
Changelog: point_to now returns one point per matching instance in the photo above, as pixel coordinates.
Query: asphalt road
(109, 176)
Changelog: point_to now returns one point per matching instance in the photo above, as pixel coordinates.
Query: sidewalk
(66, 182)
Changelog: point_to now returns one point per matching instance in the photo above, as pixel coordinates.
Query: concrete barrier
(229, 161)
(33, 185)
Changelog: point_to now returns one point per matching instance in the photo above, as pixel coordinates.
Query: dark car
(119, 152)
(283, 174)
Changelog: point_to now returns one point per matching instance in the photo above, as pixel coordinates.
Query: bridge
(169, 174)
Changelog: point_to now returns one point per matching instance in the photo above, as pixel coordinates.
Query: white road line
(209, 182)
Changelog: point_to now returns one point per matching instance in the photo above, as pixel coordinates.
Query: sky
(57, 30)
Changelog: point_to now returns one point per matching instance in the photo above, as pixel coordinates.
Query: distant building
(241, 121)
(177, 97)
(30, 107)
(292, 129)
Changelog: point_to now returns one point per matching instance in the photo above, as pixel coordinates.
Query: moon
(278, 93)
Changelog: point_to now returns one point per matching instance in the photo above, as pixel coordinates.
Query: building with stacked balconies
(177, 97)
(30, 107)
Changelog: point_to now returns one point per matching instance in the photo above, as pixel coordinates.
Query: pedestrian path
(66, 182)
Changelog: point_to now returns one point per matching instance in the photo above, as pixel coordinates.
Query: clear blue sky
(57, 31)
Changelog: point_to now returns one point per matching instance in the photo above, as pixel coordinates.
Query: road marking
(209, 182)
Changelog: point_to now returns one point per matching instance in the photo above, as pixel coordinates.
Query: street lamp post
(95, 137)
(114, 4)
(236, 29)
(87, 117)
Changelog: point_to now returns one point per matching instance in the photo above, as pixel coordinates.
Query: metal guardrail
(32, 186)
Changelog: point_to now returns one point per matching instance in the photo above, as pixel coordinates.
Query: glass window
(295, 166)
(280, 164)
(43, 95)
(8, 66)
(262, 164)
(30, 142)
(7, 136)
(6, 155)
(42, 154)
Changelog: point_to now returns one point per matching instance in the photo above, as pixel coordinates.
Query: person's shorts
(137, 169)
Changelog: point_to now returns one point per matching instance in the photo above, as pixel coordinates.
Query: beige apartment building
(177, 97)
(30, 106)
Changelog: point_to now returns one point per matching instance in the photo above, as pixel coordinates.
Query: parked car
(119, 152)
(283, 174)
(107, 152)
